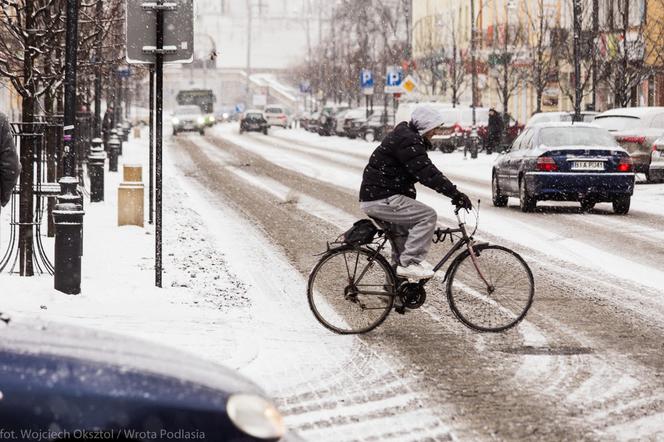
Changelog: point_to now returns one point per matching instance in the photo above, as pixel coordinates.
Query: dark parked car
(188, 118)
(564, 162)
(635, 129)
(377, 126)
(74, 383)
(327, 122)
(254, 121)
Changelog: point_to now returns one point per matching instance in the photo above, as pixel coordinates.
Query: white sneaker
(422, 270)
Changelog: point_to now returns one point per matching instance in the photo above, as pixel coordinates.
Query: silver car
(188, 119)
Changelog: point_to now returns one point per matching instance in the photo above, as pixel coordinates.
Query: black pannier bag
(362, 232)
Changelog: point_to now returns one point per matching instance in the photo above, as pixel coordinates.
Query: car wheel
(498, 199)
(587, 205)
(202, 131)
(621, 205)
(370, 136)
(175, 132)
(527, 203)
(265, 131)
(241, 130)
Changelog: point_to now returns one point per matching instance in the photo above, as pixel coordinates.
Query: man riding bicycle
(388, 191)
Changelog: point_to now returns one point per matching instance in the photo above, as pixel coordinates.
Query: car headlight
(225, 116)
(255, 415)
(201, 120)
(175, 121)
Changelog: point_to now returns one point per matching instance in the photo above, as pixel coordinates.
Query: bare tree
(457, 65)
(509, 69)
(539, 44)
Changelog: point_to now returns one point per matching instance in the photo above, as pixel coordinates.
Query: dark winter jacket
(398, 163)
(10, 168)
(495, 125)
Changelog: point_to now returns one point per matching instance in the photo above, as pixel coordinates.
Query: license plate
(587, 165)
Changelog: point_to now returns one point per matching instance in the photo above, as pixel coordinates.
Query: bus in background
(203, 98)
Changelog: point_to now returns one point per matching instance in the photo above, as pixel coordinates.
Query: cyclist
(388, 191)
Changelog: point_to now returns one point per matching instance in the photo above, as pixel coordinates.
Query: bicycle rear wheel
(351, 290)
(500, 305)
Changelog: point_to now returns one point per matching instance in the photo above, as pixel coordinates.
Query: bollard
(114, 151)
(68, 219)
(123, 133)
(131, 197)
(96, 162)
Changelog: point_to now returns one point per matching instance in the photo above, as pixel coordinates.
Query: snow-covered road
(598, 275)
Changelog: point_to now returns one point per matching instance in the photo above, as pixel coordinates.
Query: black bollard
(68, 218)
(114, 151)
(96, 161)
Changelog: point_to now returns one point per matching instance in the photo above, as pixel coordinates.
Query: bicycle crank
(412, 295)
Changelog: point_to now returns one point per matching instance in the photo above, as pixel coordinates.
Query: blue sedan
(564, 162)
(60, 382)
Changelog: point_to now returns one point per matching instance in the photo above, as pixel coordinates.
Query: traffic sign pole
(148, 43)
(159, 72)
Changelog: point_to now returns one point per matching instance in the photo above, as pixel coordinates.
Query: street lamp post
(68, 212)
(577, 62)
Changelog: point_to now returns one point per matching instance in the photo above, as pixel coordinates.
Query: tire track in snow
(282, 191)
(343, 409)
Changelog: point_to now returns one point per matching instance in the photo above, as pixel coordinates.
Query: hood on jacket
(425, 118)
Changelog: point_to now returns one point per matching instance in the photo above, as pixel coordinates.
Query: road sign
(393, 79)
(124, 72)
(409, 84)
(366, 82)
(178, 31)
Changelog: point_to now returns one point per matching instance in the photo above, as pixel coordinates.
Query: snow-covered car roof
(563, 124)
(632, 111)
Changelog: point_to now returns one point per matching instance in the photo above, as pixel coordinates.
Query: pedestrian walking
(495, 130)
(10, 168)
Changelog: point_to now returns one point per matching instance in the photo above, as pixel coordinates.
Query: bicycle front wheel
(491, 292)
(351, 290)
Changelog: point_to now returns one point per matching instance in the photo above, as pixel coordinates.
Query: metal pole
(473, 92)
(577, 62)
(68, 213)
(594, 51)
(249, 13)
(151, 147)
(159, 68)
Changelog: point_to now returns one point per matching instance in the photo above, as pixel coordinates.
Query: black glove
(461, 201)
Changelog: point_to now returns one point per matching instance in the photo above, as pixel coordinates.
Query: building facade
(624, 39)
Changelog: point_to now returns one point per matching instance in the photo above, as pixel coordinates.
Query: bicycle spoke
(347, 296)
(507, 300)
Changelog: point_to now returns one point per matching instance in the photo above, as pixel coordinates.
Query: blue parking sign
(366, 79)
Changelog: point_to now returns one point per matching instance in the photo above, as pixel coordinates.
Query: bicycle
(352, 289)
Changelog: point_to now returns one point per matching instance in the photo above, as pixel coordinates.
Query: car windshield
(254, 116)
(188, 110)
(274, 110)
(618, 122)
(576, 136)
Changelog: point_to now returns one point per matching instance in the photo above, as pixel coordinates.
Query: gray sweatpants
(411, 222)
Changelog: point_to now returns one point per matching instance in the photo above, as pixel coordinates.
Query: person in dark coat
(10, 167)
(388, 191)
(495, 131)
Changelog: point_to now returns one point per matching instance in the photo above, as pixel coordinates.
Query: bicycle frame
(440, 234)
